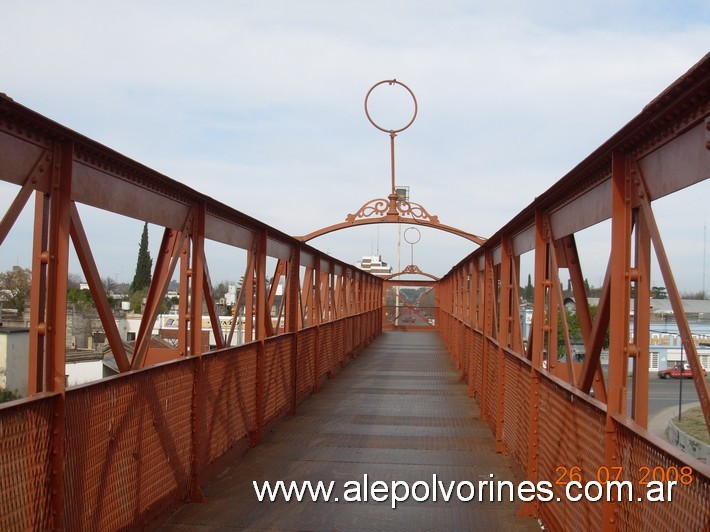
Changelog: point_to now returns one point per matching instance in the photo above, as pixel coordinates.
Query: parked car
(675, 372)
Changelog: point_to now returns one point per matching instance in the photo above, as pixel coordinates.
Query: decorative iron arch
(392, 210)
(412, 269)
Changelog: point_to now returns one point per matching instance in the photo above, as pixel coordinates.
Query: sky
(260, 105)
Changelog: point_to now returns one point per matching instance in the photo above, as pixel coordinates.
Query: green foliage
(8, 395)
(136, 300)
(144, 265)
(81, 299)
(575, 330)
(15, 287)
(529, 291)
(659, 292)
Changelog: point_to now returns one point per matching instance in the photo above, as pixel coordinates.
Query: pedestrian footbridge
(328, 373)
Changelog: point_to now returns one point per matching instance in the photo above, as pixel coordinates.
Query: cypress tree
(144, 264)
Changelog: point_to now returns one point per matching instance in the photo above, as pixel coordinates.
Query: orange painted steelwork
(125, 451)
(392, 209)
(82, 462)
(542, 411)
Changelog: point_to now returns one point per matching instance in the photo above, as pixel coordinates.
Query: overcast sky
(260, 105)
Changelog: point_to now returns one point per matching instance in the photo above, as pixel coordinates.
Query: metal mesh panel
(446, 329)
(516, 414)
(467, 352)
(305, 363)
(478, 363)
(25, 449)
(471, 364)
(454, 350)
(229, 407)
(570, 434)
(278, 379)
(357, 331)
(348, 338)
(128, 448)
(326, 349)
(338, 351)
(461, 344)
(643, 460)
(492, 383)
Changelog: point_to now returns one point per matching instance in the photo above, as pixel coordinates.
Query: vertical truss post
(55, 327)
(642, 322)
(197, 289)
(291, 294)
(489, 309)
(183, 317)
(260, 322)
(538, 334)
(249, 280)
(38, 295)
(505, 332)
(619, 310)
(473, 323)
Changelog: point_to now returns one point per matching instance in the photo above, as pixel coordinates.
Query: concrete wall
(85, 371)
(14, 362)
(688, 444)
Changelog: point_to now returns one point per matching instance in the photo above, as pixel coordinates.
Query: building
(14, 368)
(375, 265)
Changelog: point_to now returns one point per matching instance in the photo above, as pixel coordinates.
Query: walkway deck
(396, 412)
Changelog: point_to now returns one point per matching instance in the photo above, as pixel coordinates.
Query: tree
(8, 395)
(529, 292)
(659, 292)
(144, 264)
(15, 287)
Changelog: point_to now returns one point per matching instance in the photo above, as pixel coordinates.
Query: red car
(675, 373)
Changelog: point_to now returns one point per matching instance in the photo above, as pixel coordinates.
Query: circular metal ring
(391, 82)
(419, 235)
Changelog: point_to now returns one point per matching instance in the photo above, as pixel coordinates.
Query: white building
(375, 265)
(14, 368)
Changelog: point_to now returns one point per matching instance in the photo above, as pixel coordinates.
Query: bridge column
(50, 268)
(197, 287)
(621, 225)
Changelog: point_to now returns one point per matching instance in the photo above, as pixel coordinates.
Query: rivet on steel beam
(44, 257)
(42, 329)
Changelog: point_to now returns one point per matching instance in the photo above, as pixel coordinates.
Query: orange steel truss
(547, 414)
(125, 451)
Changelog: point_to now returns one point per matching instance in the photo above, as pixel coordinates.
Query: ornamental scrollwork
(412, 268)
(416, 211)
(381, 207)
(375, 207)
